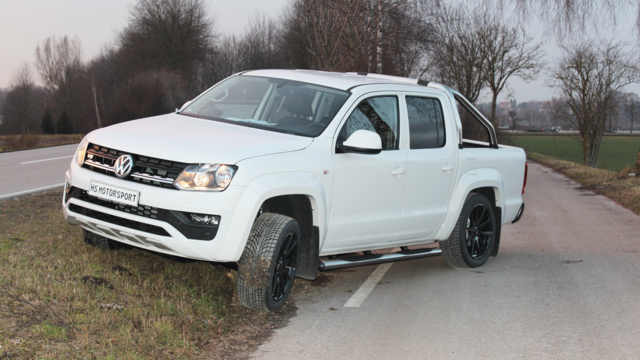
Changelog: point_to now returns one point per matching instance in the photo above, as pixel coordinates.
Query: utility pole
(95, 100)
(633, 110)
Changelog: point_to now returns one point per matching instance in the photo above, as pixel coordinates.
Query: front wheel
(267, 267)
(473, 237)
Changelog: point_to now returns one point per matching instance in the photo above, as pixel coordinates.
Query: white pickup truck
(288, 172)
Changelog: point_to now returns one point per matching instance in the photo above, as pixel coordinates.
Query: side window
(472, 128)
(426, 123)
(378, 114)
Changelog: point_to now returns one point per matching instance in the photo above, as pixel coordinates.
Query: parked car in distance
(276, 170)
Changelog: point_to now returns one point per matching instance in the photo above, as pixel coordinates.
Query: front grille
(176, 219)
(147, 170)
(116, 220)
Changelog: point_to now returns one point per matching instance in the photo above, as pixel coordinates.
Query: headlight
(82, 151)
(212, 177)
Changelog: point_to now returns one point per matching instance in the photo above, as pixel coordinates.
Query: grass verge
(24, 142)
(616, 152)
(618, 186)
(62, 299)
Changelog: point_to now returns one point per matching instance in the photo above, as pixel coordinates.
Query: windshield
(271, 104)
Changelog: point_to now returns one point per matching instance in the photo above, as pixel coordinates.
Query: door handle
(397, 172)
(447, 168)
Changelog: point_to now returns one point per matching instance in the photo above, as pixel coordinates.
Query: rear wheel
(267, 268)
(473, 237)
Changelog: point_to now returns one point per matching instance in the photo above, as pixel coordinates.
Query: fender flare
(268, 186)
(473, 179)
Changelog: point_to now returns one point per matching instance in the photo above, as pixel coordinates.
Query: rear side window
(378, 114)
(426, 123)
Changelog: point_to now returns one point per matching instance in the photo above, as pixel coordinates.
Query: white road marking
(26, 192)
(35, 161)
(358, 298)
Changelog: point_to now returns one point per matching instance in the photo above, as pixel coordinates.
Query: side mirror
(362, 142)
(186, 104)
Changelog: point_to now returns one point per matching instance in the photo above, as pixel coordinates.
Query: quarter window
(426, 123)
(378, 114)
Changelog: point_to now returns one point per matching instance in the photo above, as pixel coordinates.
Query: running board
(351, 261)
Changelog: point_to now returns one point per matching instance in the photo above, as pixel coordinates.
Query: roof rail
(391, 77)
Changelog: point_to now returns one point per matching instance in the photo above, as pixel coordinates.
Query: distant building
(504, 105)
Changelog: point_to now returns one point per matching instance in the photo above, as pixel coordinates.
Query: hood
(190, 140)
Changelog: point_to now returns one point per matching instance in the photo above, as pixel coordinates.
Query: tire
(267, 267)
(102, 242)
(473, 237)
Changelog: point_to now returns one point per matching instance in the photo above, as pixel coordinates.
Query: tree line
(170, 51)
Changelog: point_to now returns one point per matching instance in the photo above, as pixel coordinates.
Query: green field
(616, 153)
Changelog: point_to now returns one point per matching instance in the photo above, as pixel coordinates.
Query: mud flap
(496, 244)
(309, 257)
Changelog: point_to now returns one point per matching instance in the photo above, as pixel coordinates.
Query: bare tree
(20, 108)
(56, 59)
(509, 52)
(338, 35)
(456, 57)
(561, 112)
(513, 116)
(260, 45)
(588, 77)
(171, 35)
(403, 45)
(148, 94)
(631, 106)
(59, 62)
(570, 19)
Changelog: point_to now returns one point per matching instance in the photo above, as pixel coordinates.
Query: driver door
(368, 189)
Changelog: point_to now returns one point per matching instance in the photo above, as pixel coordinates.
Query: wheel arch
(299, 207)
(487, 182)
(298, 195)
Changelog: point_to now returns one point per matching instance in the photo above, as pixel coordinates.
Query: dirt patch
(251, 330)
(96, 281)
(322, 280)
(122, 270)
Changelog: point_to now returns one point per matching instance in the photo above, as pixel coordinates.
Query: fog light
(205, 219)
(67, 187)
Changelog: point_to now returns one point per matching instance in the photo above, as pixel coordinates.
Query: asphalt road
(29, 170)
(566, 285)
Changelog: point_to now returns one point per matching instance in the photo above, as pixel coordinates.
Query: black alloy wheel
(267, 267)
(473, 237)
(479, 232)
(285, 269)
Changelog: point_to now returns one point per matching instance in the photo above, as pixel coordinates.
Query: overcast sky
(25, 23)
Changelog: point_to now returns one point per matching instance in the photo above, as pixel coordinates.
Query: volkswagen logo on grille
(123, 166)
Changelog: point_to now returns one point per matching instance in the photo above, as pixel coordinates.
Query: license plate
(114, 193)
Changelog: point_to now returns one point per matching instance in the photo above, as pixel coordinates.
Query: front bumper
(166, 233)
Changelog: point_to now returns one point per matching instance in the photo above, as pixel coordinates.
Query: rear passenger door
(431, 165)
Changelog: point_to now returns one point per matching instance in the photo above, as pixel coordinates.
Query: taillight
(526, 171)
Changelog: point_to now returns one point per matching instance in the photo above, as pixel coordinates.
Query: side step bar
(351, 261)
